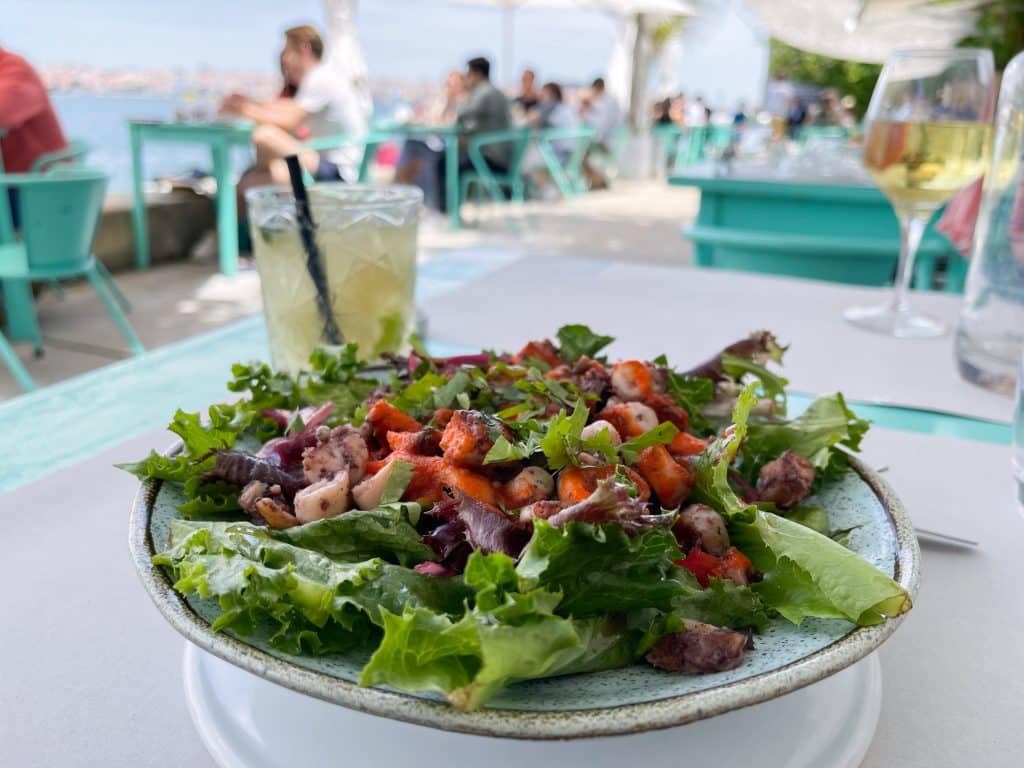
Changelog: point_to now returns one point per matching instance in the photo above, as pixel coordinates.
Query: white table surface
(90, 674)
(690, 314)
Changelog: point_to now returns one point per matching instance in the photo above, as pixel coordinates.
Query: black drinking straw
(314, 262)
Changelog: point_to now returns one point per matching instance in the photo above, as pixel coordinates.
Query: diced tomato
(702, 565)
(732, 565)
(539, 350)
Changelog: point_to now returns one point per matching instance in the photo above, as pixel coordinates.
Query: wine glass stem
(912, 228)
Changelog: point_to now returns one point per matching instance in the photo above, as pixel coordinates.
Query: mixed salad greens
(479, 520)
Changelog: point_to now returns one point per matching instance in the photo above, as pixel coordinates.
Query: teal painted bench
(840, 232)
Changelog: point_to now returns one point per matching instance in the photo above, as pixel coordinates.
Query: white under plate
(248, 722)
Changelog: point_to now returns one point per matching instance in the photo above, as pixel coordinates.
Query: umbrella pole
(508, 37)
(637, 77)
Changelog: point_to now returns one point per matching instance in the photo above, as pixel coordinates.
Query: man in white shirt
(324, 105)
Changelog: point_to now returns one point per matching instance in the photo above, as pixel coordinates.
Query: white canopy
(865, 30)
(344, 55)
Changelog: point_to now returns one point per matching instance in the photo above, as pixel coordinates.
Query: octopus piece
(672, 481)
(700, 649)
(241, 469)
(698, 525)
(367, 494)
(594, 428)
(468, 436)
(786, 481)
(590, 377)
(633, 380)
(539, 510)
(275, 511)
(631, 419)
(336, 450)
(324, 498)
(530, 485)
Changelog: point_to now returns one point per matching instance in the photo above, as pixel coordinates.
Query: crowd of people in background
(478, 106)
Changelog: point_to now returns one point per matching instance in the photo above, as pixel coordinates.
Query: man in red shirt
(26, 116)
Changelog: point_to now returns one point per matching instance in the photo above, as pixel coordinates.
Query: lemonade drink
(367, 241)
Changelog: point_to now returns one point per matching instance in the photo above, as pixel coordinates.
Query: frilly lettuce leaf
(807, 574)
(300, 593)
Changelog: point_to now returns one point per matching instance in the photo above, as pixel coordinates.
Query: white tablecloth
(690, 314)
(90, 674)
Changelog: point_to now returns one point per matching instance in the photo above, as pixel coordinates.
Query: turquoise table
(220, 138)
(841, 232)
(450, 134)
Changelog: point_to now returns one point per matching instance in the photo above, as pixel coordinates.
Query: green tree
(1000, 26)
(849, 78)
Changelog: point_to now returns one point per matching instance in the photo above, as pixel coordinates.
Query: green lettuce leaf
(660, 435)
(691, 394)
(600, 570)
(807, 574)
(358, 535)
(713, 464)
(562, 441)
(575, 341)
(307, 600)
(722, 603)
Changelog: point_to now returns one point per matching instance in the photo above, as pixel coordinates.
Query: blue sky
(407, 39)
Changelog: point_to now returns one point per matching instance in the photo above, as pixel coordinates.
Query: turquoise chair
(59, 215)
(689, 147)
(607, 159)
(568, 178)
(666, 138)
(74, 153)
(484, 179)
(810, 132)
(370, 143)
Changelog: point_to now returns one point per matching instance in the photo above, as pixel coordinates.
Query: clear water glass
(1018, 437)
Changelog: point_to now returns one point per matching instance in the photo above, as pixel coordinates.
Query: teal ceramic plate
(620, 701)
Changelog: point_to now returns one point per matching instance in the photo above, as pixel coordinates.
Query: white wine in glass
(929, 135)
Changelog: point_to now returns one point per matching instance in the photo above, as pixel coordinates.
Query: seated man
(323, 103)
(485, 110)
(27, 118)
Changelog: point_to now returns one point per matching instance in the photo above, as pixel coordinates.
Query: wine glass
(929, 133)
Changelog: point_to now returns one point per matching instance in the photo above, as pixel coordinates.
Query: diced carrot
(383, 417)
(577, 483)
(467, 439)
(670, 480)
(442, 416)
(540, 350)
(685, 444)
(424, 442)
(470, 483)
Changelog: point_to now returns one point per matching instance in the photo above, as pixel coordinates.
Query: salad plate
(795, 644)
